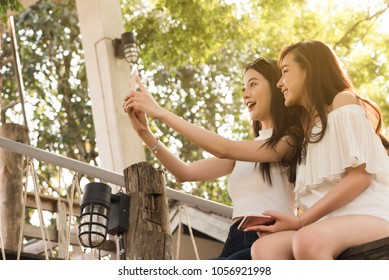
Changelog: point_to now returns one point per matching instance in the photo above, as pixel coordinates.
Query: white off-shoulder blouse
(349, 141)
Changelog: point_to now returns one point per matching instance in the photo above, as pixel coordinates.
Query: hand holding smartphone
(249, 221)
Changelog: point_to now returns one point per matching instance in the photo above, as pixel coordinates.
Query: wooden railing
(144, 184)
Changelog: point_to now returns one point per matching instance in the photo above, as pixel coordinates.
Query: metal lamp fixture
(102, 213)
(126, 48)
(95, 206)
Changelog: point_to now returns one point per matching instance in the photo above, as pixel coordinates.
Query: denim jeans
(238, 244)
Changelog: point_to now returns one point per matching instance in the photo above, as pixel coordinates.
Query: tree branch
(355, 26)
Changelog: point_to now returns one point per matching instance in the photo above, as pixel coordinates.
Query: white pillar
(100, 23)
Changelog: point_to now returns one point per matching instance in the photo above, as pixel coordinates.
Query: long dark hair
(325, 78)
(286, 121)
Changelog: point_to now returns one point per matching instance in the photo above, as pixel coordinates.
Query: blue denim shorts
(238, 244)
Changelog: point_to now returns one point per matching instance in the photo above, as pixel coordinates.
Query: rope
(191, 233)
(179, 233)
(78, 240)
(17, 68)
(75, 185)
(23, 216)
(2, 244)
(39, 206)
(61, 209)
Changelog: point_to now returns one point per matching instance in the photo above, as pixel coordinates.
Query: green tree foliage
(55, 83)
(192, 53)
(9, 6)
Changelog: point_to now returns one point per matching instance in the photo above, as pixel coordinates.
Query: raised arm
(221, 147)
(206, 169)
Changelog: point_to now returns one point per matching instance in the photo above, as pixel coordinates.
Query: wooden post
(148, 236)
(11, 186)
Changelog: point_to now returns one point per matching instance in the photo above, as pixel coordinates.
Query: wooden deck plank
(375, 250)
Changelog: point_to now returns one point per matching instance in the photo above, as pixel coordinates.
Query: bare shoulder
(344, 98)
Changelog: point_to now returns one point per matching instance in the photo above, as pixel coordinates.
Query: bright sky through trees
(369, 5)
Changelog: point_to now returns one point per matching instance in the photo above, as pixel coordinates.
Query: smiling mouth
(250, 105)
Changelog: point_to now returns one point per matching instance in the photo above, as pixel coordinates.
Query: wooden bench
(375, 250)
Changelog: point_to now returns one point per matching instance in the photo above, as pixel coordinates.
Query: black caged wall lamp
(102, 213)
(125, 47)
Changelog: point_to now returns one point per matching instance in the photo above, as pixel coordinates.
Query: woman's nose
(280, 83)
(245, 94)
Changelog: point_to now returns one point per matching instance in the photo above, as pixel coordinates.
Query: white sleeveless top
(349, 141)
(251, 194)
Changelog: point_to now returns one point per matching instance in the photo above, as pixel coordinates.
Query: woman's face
(292, 81)
(257, 97)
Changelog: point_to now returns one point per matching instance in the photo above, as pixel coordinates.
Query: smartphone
(132, 83)
(249, 221)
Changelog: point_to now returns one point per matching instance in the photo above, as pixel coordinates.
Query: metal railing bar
(71, 164)
(108, 176)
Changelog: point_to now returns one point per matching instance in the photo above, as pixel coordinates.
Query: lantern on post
(125, 47)
(102, 212)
